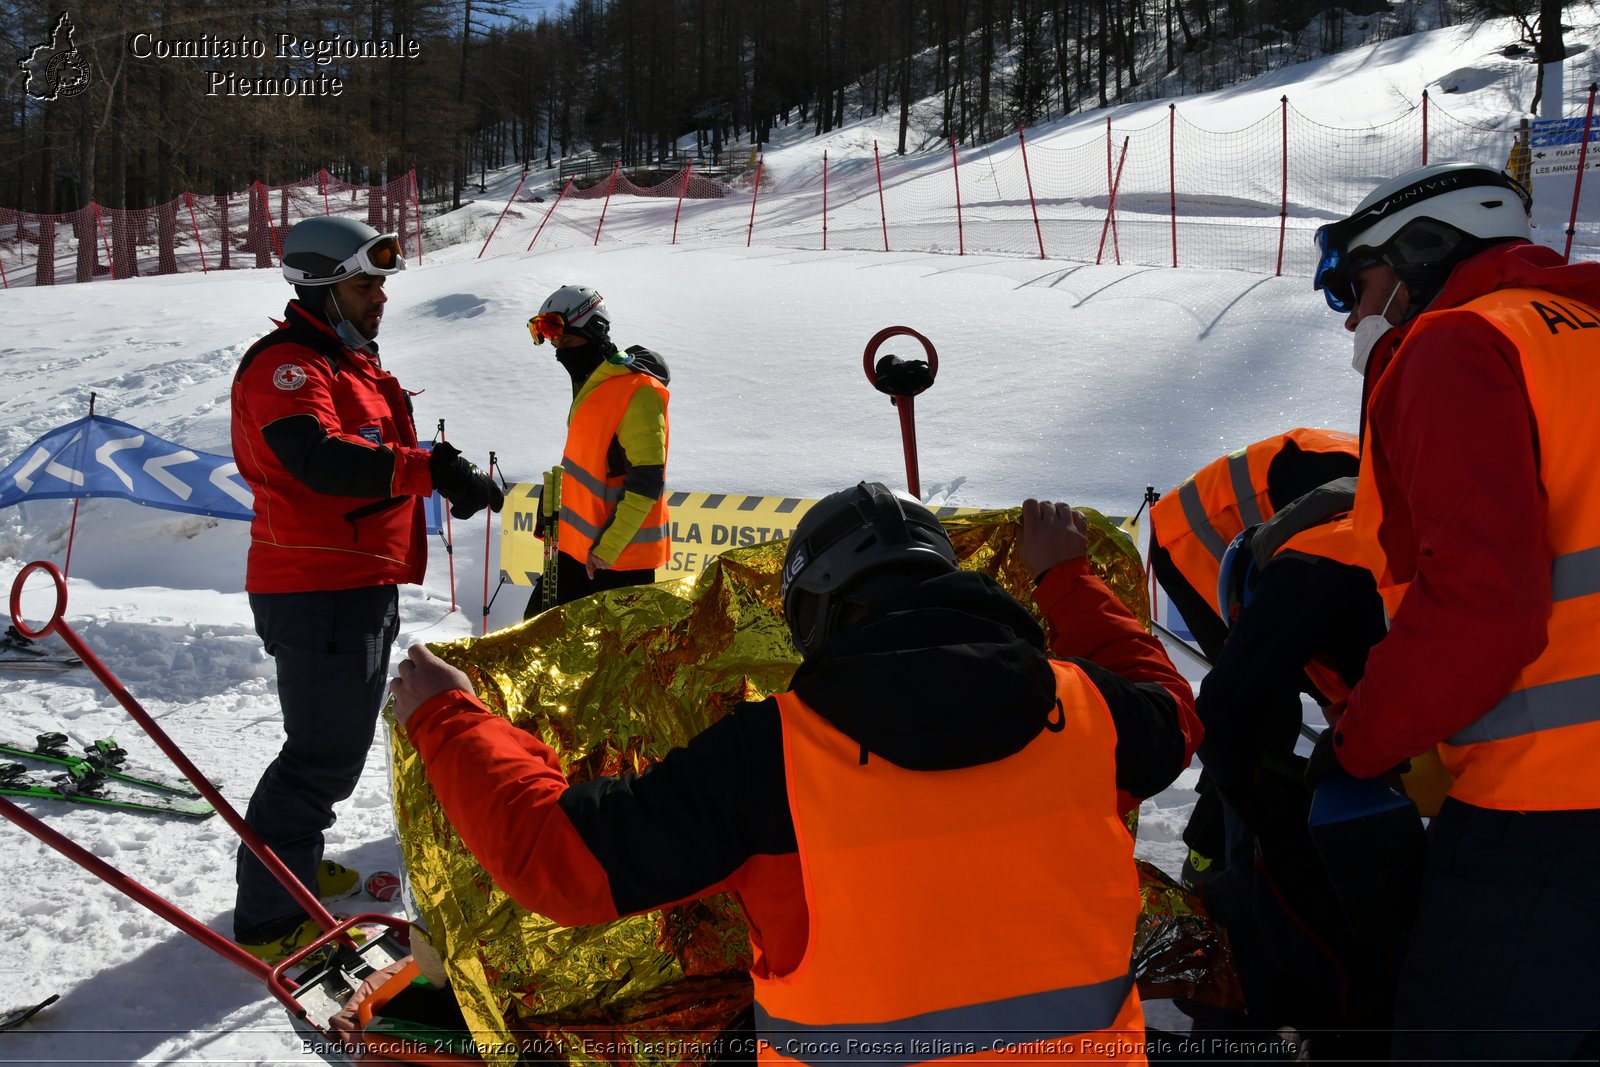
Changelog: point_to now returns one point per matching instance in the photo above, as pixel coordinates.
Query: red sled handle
(57, 625)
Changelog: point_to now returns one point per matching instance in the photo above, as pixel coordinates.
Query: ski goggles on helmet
(1338, 264)
(547, 325)
(381, 256)
(1337, 267)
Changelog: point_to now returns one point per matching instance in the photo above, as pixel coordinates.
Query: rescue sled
(340, 989)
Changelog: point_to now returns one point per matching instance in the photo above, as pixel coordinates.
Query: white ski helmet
(579, 305)
(1422, 224)
(324, 250)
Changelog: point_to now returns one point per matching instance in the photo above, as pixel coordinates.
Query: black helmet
(847, 537)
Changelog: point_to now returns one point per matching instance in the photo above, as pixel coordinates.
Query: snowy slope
(1058, 379)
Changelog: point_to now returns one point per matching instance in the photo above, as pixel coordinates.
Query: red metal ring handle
(896, 331)
(16, 599)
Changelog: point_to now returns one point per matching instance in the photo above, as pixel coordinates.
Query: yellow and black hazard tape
(703, 526)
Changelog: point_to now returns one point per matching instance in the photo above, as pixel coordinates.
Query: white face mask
(1369, 331)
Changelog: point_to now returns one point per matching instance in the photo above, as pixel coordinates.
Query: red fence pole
(1577, 186)
(502, 217)
(100, 225)
(1283, 210)
(756, 195)
(687, 170)
(550, 212)
(1111, 211)
(955, 169)
(882, 211)
(1028, 177)
(449, 537)
(1172, 174)
(322, 180)
(824, 199)
(1424, 127)
(72, 529)
(416, 213)
(195, 222)
(272, 231)
(610, 185)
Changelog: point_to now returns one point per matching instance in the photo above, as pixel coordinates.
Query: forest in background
(483, 87)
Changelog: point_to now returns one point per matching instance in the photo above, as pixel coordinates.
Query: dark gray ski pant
(332, 653)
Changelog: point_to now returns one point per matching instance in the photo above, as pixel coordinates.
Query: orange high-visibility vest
(1536, 749)
(590, 492)
(956, 912)
(1196, 521)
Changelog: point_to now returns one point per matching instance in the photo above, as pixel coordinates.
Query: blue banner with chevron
(97, 456)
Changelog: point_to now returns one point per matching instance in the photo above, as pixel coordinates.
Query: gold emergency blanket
(612, 683)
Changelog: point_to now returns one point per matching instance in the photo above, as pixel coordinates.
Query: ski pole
(449, 537)
(902, 380)
(550, 510)
(57, 625)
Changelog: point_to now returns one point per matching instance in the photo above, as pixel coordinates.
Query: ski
(17, 652)
(18, 1016)
(104, 755)
(35, 665)
(82, 784)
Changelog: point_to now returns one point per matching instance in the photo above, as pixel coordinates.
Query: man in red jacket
(324, 438)
(924, 831)
(1475, 513)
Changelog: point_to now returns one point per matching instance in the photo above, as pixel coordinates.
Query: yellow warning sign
(704, 525)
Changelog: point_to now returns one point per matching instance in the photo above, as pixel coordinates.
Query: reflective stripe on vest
(1196, 521)
(1535, 749)
(975, 1028)
(588, 497)
(934, 897)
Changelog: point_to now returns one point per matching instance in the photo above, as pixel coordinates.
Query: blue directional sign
(1550, 133)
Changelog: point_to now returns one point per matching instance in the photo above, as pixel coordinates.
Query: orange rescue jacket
(956, 912)
(590, 490)
(1536, 748)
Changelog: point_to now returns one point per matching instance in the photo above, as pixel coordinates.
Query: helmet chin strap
(346, 329)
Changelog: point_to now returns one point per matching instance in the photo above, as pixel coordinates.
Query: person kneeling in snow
(933, 777)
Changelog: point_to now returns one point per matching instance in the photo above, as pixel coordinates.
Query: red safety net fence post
(682, 189)
(1172, 174)
(755, 194)
(883, 211)
(195, 222)
(1027, 175)
(550, 212)
(1111, 209)
(416, 212)
(502, 217)
(1577, 186)
(955, 172)
(1283, 210)
(610, 185)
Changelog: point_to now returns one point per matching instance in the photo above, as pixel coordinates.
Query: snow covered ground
(1057, 379)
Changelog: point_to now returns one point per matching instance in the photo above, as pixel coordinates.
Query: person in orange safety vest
(859, 816)
(1476, 514)
(614, 528)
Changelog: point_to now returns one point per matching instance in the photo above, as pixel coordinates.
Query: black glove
(468, 489)
(902, 377)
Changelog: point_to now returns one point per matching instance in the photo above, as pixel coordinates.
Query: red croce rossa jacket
(323, 436)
